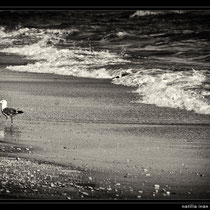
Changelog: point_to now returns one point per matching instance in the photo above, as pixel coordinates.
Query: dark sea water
(165, 55)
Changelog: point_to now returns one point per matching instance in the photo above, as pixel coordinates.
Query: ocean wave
(116, 36)
(140, 13)
(163, 88)
(81, 63)
(33, 35)
(76, 62)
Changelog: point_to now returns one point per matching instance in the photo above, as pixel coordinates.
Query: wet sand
(83, 138)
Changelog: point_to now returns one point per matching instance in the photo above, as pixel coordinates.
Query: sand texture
(85, 138)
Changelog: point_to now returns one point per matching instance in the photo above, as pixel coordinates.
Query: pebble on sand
(90, 178)
(168, 193)
(157, 187)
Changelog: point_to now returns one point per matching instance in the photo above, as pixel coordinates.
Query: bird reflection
(9, 134)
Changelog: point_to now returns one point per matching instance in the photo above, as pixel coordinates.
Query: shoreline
(118, 149)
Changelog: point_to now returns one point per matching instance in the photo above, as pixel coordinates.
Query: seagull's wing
(9, 111)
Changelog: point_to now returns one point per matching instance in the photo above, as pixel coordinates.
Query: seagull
(9, 112)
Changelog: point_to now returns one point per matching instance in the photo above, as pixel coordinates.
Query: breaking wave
(183, 89)
(140, 13)
(50, 59)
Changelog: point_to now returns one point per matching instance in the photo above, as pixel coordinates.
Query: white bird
(9, 112)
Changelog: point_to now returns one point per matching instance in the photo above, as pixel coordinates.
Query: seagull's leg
(11, 120)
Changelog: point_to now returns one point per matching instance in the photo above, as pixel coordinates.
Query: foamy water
(187, 89)
(141, 13)
(182, 90)
(75, 62)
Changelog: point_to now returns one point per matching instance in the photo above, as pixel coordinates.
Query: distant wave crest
(140, 13)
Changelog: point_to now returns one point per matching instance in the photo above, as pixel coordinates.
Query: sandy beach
(82, 138)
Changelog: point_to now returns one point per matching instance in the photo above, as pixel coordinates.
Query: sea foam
(50, 59)
(140, 13)
(181, 89)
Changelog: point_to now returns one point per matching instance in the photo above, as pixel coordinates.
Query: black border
(105, 7)
(94, 203)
